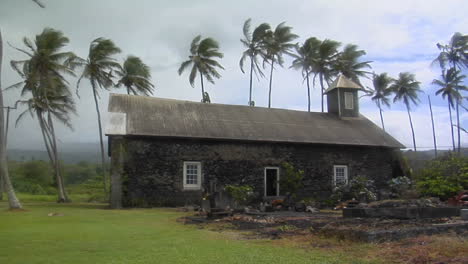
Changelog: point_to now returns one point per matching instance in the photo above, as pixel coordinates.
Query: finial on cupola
(342, 97)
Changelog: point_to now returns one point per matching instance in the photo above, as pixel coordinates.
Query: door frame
(265, 181)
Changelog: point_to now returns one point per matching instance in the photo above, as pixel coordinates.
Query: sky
(398, 36)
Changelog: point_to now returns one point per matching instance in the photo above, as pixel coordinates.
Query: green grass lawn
(89, 233)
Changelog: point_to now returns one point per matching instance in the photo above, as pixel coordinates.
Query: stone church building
(167, 152)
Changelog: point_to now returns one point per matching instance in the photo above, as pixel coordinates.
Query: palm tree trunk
(202, 88)
(381, 119)
(251, 74)
(433, 128)
(271, 79)
(458, 127)
(381, 115)
(458, 115)
(308, 91)
(101, 143)
(13, 201)
(321, 85)
(128, 91)
(412, 129)
(2, 185)
(52, 158)
(60, 182)
(451, 123)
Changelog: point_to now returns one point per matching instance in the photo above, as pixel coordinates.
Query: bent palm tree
(5, 180)
(381, 92)
(135, 76)
(254, 43)
(277, 43)
(454, 55)
(326, 54)
(43, 77)
(450, 83)
(202, 58)
(349, 64)
(98, 68)
(304, 61)
(406, 89)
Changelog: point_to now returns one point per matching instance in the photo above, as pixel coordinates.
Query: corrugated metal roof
(343, 82)
(150, 116)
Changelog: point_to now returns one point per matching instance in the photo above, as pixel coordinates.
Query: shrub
(359, 188)
(443, 177)
(291, 181)
(240, 193)
(400, 186)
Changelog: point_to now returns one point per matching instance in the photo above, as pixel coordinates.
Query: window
(340, 175)
(349, 100)
(192, 175)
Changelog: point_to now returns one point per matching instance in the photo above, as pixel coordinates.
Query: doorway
(271, 181)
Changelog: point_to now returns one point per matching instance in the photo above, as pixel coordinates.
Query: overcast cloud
(397, 35)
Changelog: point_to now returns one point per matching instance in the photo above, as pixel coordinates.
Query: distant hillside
(69, 153)
(418, 159)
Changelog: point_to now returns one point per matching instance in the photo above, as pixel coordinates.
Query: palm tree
(326, 55)
(43, 75)
(450, 83)
(454, 55)
(381, 92)
(303, 61)
(98, 68)
(135, 76)
(202, 58)
(349, 64)
(406, 89)
(5, 180)
(277, 43)
(254, 42)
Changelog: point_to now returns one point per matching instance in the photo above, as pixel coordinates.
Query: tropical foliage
(254, 42)
(450, 85)
(48, 92)
(135, 76)
(304, 61)
(326, 54)
(453, 57)
(443, 177)
(98, 69)
(406, 90)
(277, 44)
(381, 92)
(202, 58)
(350, 65)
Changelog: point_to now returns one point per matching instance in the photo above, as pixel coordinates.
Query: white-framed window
(349, 100)
(192, 175)
(340, 175)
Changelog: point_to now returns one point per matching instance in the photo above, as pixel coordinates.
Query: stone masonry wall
(153, 168)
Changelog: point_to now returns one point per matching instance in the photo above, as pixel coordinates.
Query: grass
(89, 233)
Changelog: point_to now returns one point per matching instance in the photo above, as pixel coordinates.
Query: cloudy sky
(397, 36)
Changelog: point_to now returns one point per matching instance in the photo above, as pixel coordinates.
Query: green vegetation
(87, 233)
(34, 177)
(443, 177)
(203, 54)
(291, 182)
(241, 194)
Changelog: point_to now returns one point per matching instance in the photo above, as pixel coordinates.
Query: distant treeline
(36, 177)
